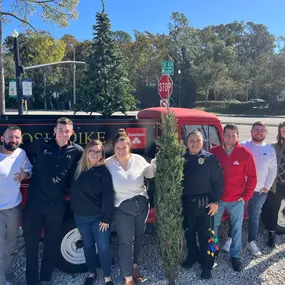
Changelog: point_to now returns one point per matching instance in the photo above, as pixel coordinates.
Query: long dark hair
(280, 139)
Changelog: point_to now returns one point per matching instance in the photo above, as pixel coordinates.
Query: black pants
(197, 220)
(130, 222)
(271, 207)
(50, 217)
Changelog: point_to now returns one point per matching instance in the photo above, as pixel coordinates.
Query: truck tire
(71, 255)
(281, 219)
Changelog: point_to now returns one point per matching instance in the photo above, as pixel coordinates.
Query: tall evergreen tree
(107, 89)
(168, 203)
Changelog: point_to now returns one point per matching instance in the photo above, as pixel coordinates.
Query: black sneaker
(237, 265)
(206, 274)
(109, 283)
(89, 280)
(188, 263)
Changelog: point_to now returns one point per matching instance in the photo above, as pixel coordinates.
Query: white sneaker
(226, 247)
(252, 247)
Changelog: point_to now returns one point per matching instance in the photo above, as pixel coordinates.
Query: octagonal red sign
(165, 86)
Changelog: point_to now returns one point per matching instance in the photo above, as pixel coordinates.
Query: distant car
(257, 101)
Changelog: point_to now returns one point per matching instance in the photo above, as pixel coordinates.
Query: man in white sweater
(14, 167)
(266, 169)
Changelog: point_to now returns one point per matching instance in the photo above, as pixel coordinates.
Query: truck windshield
(210, 134)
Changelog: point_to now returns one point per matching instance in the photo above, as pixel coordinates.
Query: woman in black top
(92, 201)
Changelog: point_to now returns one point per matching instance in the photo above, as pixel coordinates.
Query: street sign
(168, 67)
(164, 103)
(12, 88)
(27, 88)
(165, 86)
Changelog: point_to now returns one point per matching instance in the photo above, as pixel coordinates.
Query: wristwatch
(216, 202)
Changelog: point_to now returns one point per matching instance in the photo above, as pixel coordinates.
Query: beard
(11, 146)
(258, 140)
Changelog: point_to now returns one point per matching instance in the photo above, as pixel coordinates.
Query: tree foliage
(52, 11)
(238, 60)
(107, 88)
(169, 175)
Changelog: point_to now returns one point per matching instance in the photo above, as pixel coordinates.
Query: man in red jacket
(239, 182)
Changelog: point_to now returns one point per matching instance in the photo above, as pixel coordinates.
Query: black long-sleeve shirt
(202, 176)
(53, 169)
(92, 194)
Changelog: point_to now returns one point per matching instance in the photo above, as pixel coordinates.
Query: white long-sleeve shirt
(265, 162)
(129, 183)
(10, 194)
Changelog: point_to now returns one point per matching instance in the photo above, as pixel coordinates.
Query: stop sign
(165, 86)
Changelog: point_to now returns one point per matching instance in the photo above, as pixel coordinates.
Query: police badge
(201, 160)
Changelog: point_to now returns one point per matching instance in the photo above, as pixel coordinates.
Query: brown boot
(137, 275)
(130, 282)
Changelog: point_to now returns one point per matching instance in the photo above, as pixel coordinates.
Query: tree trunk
(2, 80)
(171, 279)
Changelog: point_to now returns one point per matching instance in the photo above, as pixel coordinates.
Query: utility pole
(19, 71)
(74, 75)
(180, 97)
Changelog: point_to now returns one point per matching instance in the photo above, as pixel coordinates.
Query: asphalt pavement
(245, 123)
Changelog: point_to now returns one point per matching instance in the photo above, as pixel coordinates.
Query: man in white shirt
(266, 169)
(14, 167)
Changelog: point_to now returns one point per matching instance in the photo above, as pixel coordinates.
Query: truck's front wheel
(71, 255)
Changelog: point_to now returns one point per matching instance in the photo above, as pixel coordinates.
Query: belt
(199, 201)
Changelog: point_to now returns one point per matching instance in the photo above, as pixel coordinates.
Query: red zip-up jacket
(239, 172)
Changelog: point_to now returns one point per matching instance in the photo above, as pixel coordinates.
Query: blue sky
(153, 15)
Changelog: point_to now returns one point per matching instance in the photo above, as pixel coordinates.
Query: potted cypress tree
(169, 176)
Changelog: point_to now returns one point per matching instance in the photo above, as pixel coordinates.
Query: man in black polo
(54, 163)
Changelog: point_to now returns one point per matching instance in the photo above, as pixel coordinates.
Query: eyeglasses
(94, 152)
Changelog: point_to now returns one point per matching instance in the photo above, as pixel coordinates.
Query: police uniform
(203, 184)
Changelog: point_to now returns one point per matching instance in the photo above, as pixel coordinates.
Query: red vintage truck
(143, 129)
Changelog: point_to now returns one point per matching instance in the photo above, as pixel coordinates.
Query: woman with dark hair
(92, 201)
(128, 171)
(277, 192)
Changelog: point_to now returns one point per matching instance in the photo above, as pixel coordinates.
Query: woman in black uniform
(203, 187)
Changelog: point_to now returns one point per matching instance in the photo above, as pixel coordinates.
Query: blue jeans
(236, 212)
(254, 211)
(89, 230)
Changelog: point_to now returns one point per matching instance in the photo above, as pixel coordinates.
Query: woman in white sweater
(128, 171)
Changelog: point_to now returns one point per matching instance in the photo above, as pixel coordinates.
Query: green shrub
(212, 104)
(240, 106)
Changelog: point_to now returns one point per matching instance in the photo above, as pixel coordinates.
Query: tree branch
(21, 20)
